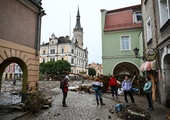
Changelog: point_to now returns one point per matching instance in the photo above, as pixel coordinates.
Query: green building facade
(119, 38)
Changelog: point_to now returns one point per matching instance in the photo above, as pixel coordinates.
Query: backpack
(61, 84)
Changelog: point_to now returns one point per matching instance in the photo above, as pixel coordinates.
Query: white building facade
(64, 48)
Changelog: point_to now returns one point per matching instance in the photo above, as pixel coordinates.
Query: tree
(53, 67)
(63, 65)
(42, 68)
(91, 71)
(48, 67)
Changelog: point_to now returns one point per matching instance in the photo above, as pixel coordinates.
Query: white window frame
(72, 60)
(164, 11)
(121, 49)
(135, 16)
(148, 30)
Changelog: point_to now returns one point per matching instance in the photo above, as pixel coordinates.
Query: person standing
(127, 86)
(148, 90)
(113, 86)
(97, 86)
(64, 86)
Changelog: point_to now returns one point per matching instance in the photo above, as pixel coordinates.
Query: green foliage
(42, 68)
(48, 67)
(92, 71)
(63, 65)
(53, 67)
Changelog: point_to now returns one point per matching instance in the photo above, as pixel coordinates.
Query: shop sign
(150, 54)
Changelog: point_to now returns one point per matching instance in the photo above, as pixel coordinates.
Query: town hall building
(64, 48)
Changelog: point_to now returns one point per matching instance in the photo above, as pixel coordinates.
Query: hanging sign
(150, 54)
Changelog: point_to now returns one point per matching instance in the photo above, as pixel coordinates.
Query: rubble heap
(133, 112)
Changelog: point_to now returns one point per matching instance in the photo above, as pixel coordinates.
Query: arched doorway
(166, 69)
(23, 66)
(125, 68)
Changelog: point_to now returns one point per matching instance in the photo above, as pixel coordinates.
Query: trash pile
(130, 112)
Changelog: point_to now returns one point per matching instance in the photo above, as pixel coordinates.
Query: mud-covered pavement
(81, 106)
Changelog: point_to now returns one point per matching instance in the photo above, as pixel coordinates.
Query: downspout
(40, 14)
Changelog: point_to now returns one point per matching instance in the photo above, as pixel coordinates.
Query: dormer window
(137, 17)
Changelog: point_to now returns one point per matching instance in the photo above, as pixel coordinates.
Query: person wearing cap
(64, 86)
(97, 86)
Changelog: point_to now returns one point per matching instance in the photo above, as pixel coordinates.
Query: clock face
(150, 55)
(75, 34)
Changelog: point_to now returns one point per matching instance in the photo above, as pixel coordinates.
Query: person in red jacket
(64, 87)
(113, 86)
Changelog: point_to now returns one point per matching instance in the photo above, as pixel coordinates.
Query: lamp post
(136, 51)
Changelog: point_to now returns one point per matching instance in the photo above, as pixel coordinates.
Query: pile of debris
(133, 112)
(82, 87)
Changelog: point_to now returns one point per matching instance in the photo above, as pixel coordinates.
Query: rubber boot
(101, 101)
(97, 101)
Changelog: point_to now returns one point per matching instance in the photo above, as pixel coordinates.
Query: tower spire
(78, 25)
(78, 14)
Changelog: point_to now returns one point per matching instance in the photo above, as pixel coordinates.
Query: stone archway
(23, 66)
(126, 68)
(26, 58)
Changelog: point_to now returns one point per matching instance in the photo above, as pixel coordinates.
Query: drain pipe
(40, 15)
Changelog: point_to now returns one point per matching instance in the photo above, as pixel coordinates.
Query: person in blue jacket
(148, 90)
(127, 88)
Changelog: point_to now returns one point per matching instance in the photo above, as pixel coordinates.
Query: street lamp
(136, 51)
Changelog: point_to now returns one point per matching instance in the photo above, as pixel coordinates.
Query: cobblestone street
(81, 106)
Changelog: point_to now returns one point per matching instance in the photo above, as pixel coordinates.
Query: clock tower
(78, 31)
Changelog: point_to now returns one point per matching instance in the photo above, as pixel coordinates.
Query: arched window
(72, 51)
(62, 50)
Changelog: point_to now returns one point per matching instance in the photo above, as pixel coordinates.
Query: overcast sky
(58, 21)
